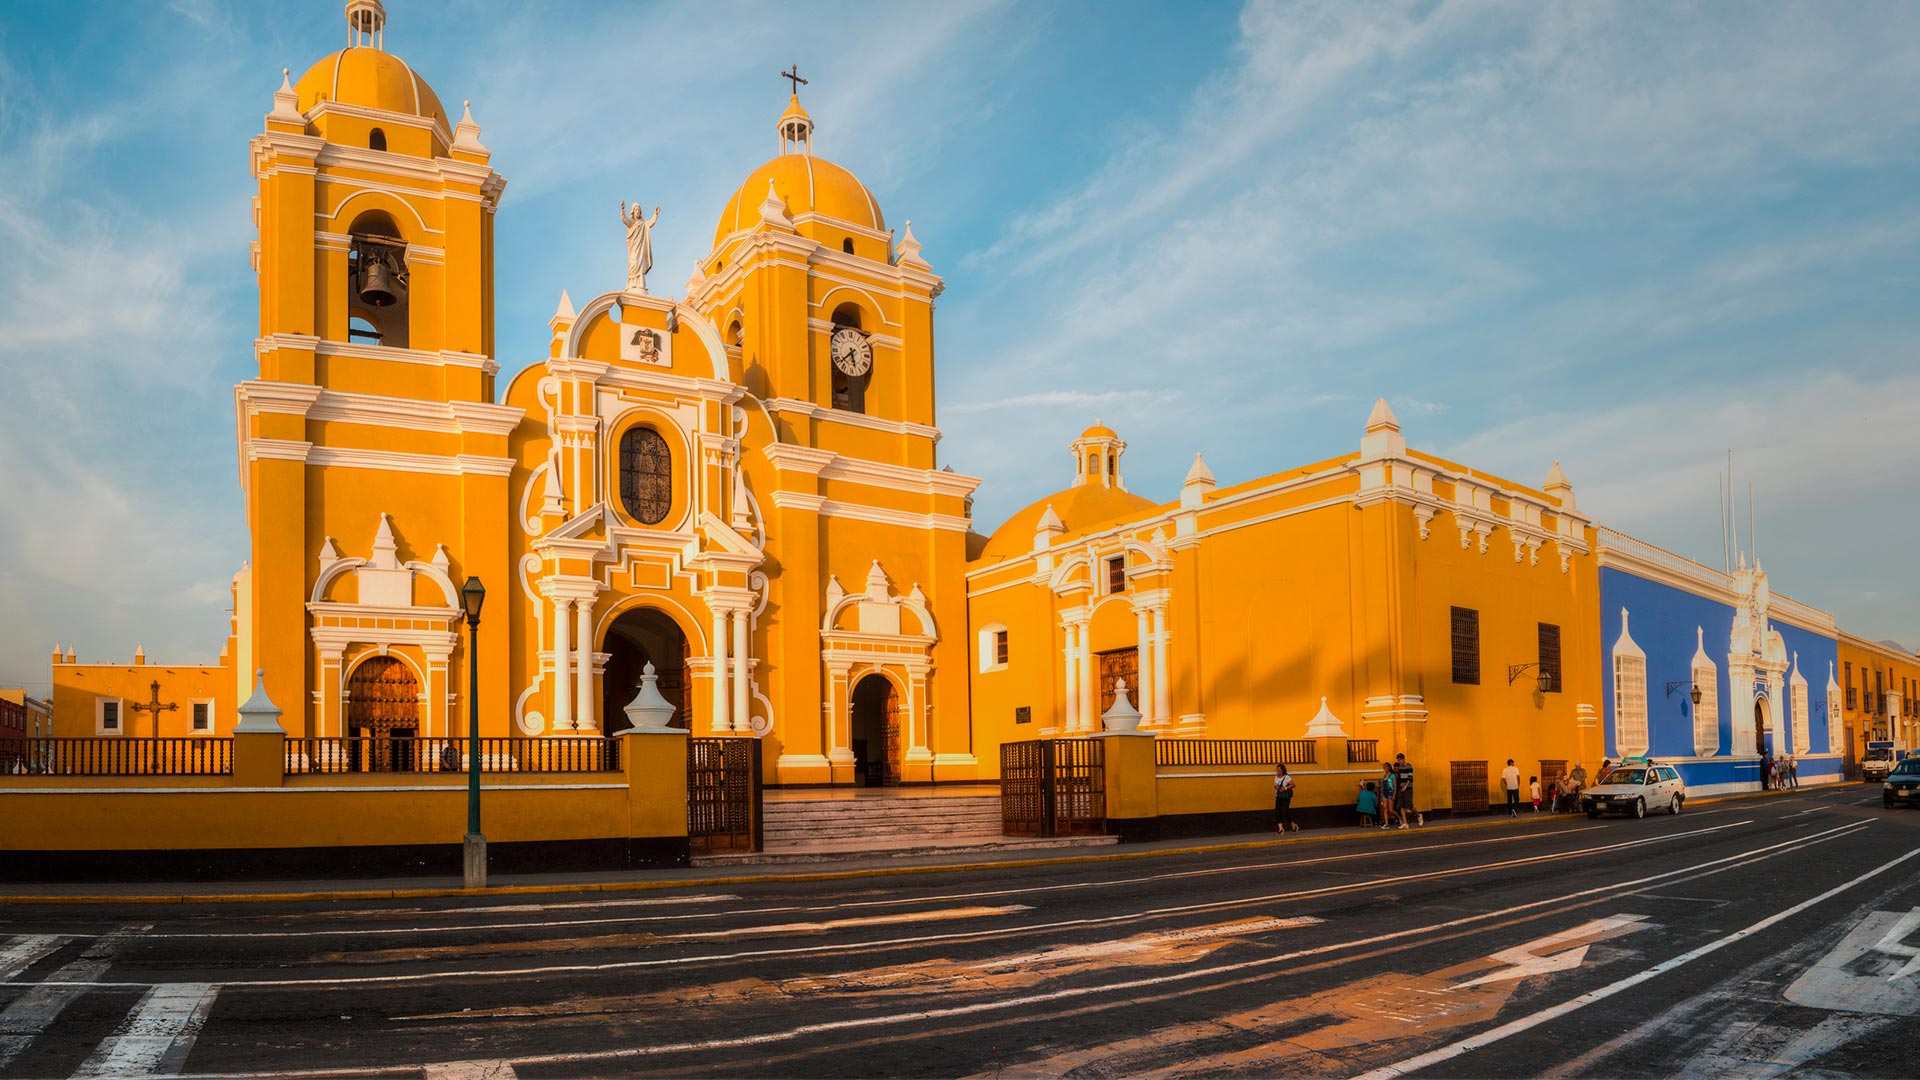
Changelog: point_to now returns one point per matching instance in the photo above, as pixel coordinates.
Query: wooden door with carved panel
(1114, 666)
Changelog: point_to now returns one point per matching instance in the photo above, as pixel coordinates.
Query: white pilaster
(839, 737)
(1162, 714)
(1089, 686)
(1071, 661)
(585, 706)
(720, 723)
(1144, 653)
(741, 710)
(562, 665)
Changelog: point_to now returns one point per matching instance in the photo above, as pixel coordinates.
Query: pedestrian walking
(1283, 822)
(1386, 795)
(1793, 771)
(1510, 780)
(1368, 804)
(1766, 771)
(1403, 790)
(1533, 789)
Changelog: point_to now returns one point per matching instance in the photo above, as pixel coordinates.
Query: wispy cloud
(1078, 399)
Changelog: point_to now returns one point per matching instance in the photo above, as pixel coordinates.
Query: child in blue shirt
(1368, 805)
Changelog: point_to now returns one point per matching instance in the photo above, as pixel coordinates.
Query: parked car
(1902, 785)
(1877, 763)
(1634, 787)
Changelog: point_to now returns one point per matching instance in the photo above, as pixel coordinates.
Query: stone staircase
(808, 827)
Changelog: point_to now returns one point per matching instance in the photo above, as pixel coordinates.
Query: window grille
(202, 718)
(110, 716)
(1549, 658)
(999, 646)
(1630, 704)
(1706, 715)
(1117, 574)
(1466, 646)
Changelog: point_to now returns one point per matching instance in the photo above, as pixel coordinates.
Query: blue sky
(1627, 237)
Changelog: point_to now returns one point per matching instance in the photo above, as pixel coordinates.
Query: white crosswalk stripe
(28, 1015)
(156, 1035)
(21, 953)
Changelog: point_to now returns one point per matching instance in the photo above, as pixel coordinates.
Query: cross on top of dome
(795, 126)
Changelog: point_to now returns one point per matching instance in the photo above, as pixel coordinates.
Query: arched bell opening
(635, 639)
(875, 732)
(377, 280)
(383, 716)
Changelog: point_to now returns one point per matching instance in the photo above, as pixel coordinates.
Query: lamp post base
(476, 861)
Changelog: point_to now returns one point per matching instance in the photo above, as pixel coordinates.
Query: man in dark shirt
(1402, 788)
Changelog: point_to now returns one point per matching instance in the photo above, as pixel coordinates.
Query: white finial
(551, 502)
(259, 714)
(384, 548)
(649, 711)
(1121, 715)
(466, 134)
(564, 312)
(286, 102)
(1199, 473)
(1382, 418)
(774, 210)
(908, 250)
(1050, 521)
(1325, 725)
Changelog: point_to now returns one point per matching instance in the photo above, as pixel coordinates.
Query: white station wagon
(1634, 787)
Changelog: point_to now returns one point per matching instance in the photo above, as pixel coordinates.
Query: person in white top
(1283, 801)
(1510, 776)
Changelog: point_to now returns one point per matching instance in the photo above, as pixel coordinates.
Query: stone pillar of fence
(653, 755)
(1330, 739)
(259, 742)
(1132, 788)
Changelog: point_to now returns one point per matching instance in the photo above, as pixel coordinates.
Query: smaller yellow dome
(808, 185)
(795, 112)
(1099, 431)
(370, 78)
(1078, 508)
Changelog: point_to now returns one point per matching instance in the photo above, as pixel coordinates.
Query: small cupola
(795, 126)
(366, 24)
(1096, 457)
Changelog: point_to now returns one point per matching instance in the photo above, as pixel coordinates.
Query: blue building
(1763, 665)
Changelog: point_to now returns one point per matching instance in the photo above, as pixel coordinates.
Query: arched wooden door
(1760, 727)
(383, 715)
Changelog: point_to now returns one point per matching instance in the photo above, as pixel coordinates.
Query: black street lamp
(472, 595)
(1678, 683)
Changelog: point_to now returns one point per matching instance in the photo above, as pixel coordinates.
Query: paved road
(1750, 937)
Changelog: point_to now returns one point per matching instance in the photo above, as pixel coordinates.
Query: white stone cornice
(346, 457)
(788, 457)
(389, 117)
(358, 350)
(575, 589)
(575, 424)
(872, 514)
(852, 419)
(282, 398)
(798, 500)
(486, 418)
(576, 367)
(277, 450)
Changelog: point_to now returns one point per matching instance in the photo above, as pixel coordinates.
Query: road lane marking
(1145, 942)
(160, 1031)
(984, 894)
(470, 1070)
(1535, 1019)
(1526, 960)
(1871, 970)
(28, 1015)
(1108, 920)
(23, 952)
(920, 1016)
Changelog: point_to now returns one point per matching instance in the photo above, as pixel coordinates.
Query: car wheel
(1887, 802)
(1674, 806)
(1591, 814)
(1639, 808)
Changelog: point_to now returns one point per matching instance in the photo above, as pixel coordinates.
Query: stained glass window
(646, 475)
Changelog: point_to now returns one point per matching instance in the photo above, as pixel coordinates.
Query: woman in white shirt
(1283, 801)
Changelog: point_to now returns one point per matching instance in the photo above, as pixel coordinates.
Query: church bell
(376, 283)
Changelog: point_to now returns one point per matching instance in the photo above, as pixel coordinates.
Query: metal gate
(1053, 787)
(1470, 791)
(723, 795)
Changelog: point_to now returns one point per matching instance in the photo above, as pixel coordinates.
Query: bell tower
(375, 395)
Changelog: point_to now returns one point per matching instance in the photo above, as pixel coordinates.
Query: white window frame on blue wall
(1802, 723)
(1631, 734)
(1706, 715)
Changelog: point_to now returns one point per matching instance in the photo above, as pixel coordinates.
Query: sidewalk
(243, 892)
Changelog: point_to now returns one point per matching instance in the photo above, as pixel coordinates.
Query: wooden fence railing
(1233, 752)
(359, 754)
(116, 755)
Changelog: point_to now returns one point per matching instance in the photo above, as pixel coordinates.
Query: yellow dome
(1078, 508)
(371, 78)
(808, 185)
(1099, 431)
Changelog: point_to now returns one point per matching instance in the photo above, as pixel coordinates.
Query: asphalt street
(1751, 937)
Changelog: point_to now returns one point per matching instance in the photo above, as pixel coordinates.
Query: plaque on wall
(1023, 714)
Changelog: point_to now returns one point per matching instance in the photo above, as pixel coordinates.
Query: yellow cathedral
(742, 492)
(739, 489)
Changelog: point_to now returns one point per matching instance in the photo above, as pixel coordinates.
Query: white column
(1162, 714)
(1144, 653)
(742, 711)
(719, 650)
(1071, 658)
(838, 738)
(562, 660)
(585, 706)
(1089, 685)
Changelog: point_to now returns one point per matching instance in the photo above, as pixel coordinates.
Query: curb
(651, 885)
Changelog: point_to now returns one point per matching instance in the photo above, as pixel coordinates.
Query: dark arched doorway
(383, 715)
(1760, 728)
(637, 638)
(876, 732)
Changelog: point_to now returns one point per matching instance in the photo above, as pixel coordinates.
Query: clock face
(851, 352)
